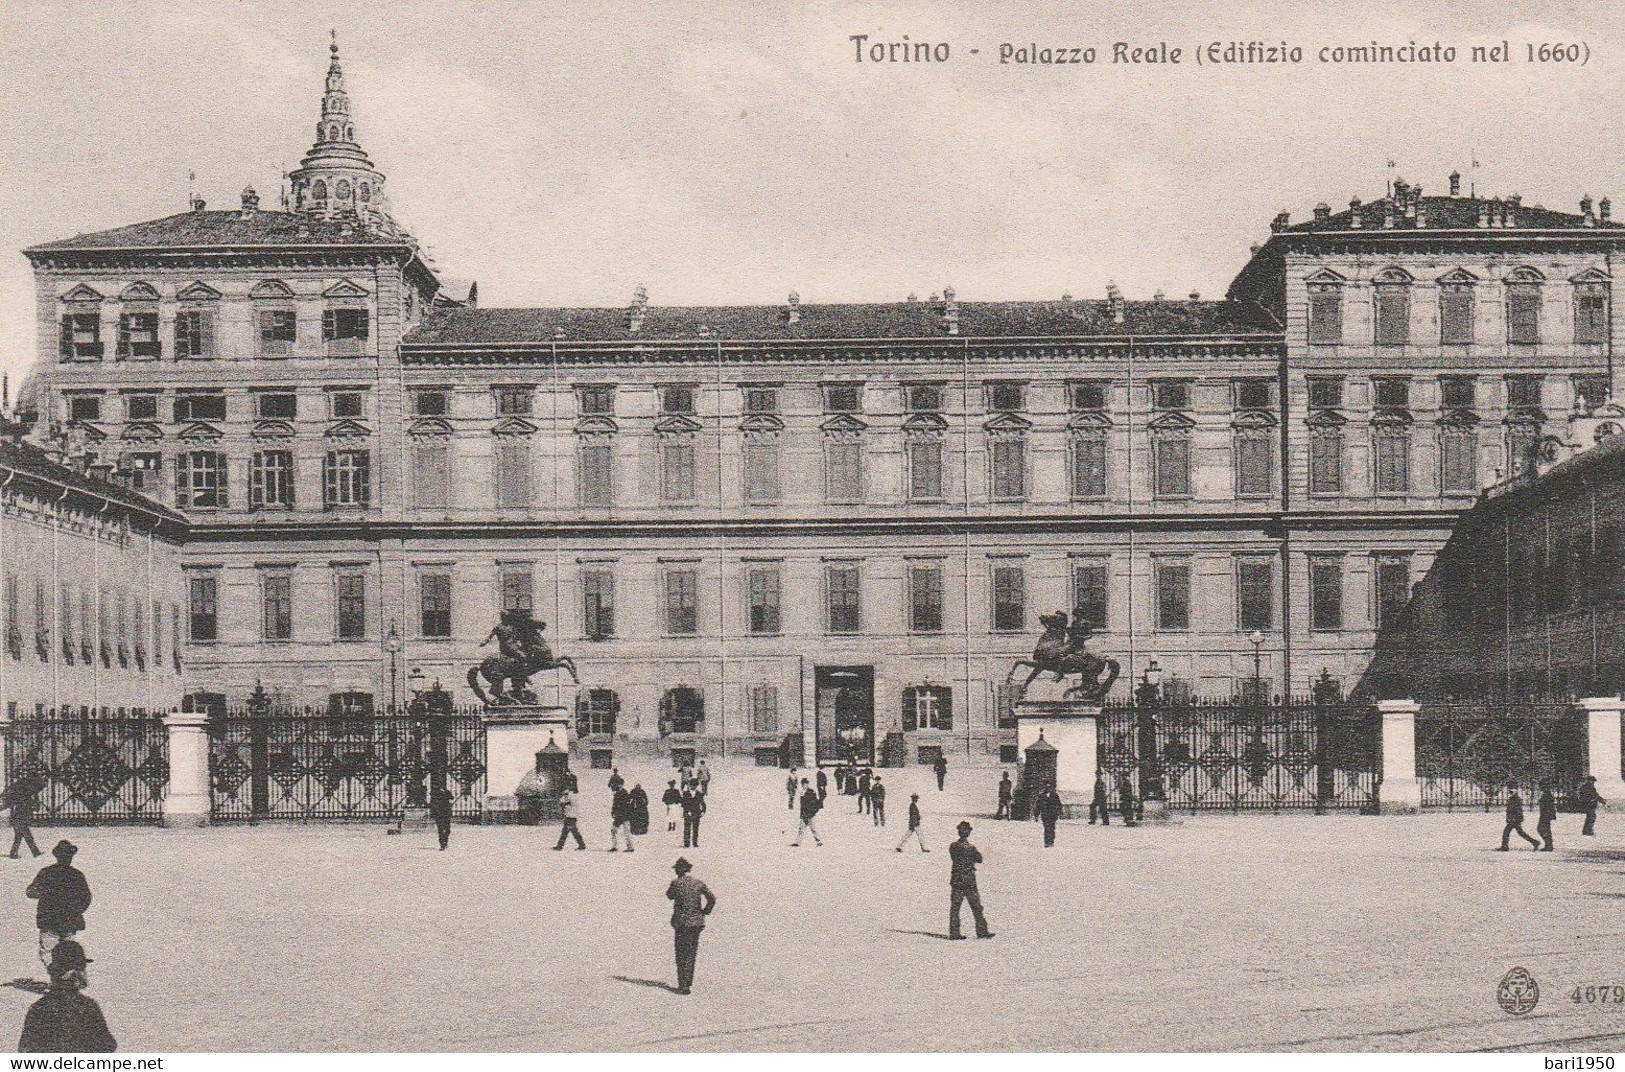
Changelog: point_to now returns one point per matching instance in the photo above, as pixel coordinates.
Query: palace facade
(748, 523)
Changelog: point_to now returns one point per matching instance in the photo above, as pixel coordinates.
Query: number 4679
(1598, 995)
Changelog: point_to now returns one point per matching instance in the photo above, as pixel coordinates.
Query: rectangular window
(843, 470)
(84, 408)
(276, 405)
(138, 337)
(596, 711)
(762, 583)
(200, 407)
(1393, 589)
(204, 609)
(598, 604)
(431, 479)
(1255, 465)
(1089, 465)
(518, 588)
(430, 403)
(1006, 397)
(1172, 462)
(141, 407)
(1523, 315)
(1391, 392)
(1458, 392)
(761, 400)
(923, 398)
(1173, 595)
(1088, 396)
(1009, 599)
(346, 404)
(200, 479)
(1590, 391)
(1590, 312)
(81, 337)
(1325, 392)
(1393, 461)
(194, 334)
(1325, 593)
(276, 595)
(1171, 394)
(596, 400)
(143, 467)
(677, 469)
(434, 604)
(682, 602)
(271, 479)
(1458, 460)
(1523, 392)
(42, 622)
(138, 632)
(1325, 462)
(515, 401)
(925, 599)
(65, 619)
(1456, 315)
(347, 478)
(1393, 315)
(278, 329)
(513, 472)
(928, 707)
(677, 399)
(764, 709)
(597, 461)
(345, 331)
(1089, 600)
(1325, 315)
(1255, 594)
(761, 463)
(924, 469)
(843, 398)
(1255, 394)
(843, 601)
(1009, 468)
(350, 599)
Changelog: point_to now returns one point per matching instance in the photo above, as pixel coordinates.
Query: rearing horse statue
(1064, 651)
(521, 652)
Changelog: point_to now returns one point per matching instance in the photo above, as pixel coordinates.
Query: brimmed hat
(66, 956)
(964, 828)
(682, 866)
(64, 849)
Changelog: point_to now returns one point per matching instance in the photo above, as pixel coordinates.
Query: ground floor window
(682, 710)
(596, 710)
(928, 707)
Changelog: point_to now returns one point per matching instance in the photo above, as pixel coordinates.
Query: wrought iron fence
(279, 764)
(1236, 756)
(95, 769)
(1468, 753)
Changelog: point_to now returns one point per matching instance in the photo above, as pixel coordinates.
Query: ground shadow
(653, 984)
(1598, 856)
(33, 986)
(923, 934)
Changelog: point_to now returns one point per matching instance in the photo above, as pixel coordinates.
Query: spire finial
(334, 47)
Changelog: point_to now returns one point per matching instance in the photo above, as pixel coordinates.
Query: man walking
(691, 901)
(705, 777)
(620, 819)
(941, 767)
(570, 809)
(913, 824)
(1049, 810)
(1589, 800)
(63, 895)
(1548, 815)
(1100, 803)
(864, 783)
(64, 1020)
(672, 798)
(440, 812)
(1515, 820)
(810, 803)
(877, 801)
(1006, 793)
(963, 858)
(1125, 798)
(823, 785)
(23, 799)
(693, 808)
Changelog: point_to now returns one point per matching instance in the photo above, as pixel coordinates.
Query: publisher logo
(1518, 992)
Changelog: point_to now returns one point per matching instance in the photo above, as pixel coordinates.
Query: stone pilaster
(1072, 728)
(1399, 793)
(1602, 716)
(186, 802)
(513, 738)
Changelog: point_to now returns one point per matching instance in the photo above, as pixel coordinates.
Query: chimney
(1483, 213)
(793, 312)
(636, 311)
(1514, 203)
(1388, 214)
(1252, 250)
(1355, 221)
(1605, 208)
(912, 298)
(1585, 210)
(1114, 300)
(197, 204)
(1455, 184)
(251, 201)
(1323, 212)
(1159, 296)
(1421, 214)
(1066, 299)
(1280, 221)
(1402, 192)
(950, 311)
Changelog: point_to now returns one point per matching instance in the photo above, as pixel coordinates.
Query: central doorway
(845, 707)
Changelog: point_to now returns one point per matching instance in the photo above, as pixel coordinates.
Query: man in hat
(1100, 804)
(1049, 811)
(913, 824)
(440, 812)
(693, 801)
(22, 798)
(672, 798)
(571, 811)
(64, 1020)
(63, 895)
(1589, 800)
(620, 819)
(1007, 792)
(1546, 816)
(810, 803)
(1514, 816)
(877, 801)
(962, 884)
(691, 901)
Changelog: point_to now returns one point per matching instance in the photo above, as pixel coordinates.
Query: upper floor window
(1590, 391)
(345, 330)
(1171, 394)
(595, 456)
(1458, 392)
(1391, 392)
(761, 465)
(682, 602)
(843, 469)
(277, 405)
(1523, 307)
(1325, 593)
(1325, 392)
(1090, 601)
(200, 407)
(762, 585)
(924, 468)
(843, 398)
(1009, 462)
(761, 400)
(431, 472)
(923, 398)
(1255, 593)
(278, 330)
(515, 401)
(270, 478)
(350, 603)
(1591, 312)
(276, 596)
(925, 598)
(677, 399)
(200, 479)
(194, 333)
(1393, 308)
(141, 407)
(1255, 463)
(1006, 397)
(430, 403)
(1009, 599)
(1088, 457)
(596, 400)
(1458, 459)
(138, 336)
(518, 586)
(677, 478)
(1171, 463)
(1325, 313)
(1173, 580)
(1087, 396)
(344, 404)
(1392, 461)
(842, 599)
(597, 604)
(347, 478)
(84, 408)
(513, 472)
(204, 607)
(1523, 392)
(81, 337)
(1456, 313)
(1255, 394)
(434, 604)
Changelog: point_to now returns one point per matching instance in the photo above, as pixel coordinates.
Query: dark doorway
(845, 705)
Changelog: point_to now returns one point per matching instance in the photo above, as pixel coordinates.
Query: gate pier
(186, 801)
(1071, 727)
(1399, 792)
(513, 737)
(1602, 715)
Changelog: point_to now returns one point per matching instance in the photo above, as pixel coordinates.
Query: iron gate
(285, 766)
(1244, 756)
(1468, 753)
(95, 769)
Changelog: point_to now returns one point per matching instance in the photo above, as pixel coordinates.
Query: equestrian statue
(521, 652)
(1063, 650)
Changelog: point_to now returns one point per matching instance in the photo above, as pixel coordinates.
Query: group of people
(1046, 806)
(684, 798)
(1587, 797)
(63, 1020)
(811, 794)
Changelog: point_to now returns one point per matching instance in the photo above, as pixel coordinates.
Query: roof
(897, 320)
(1450, 214)
(27, 460)
(226, 229)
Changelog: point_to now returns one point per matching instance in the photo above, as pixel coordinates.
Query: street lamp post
(1257, 639)
(1148, 694)
(392, 644)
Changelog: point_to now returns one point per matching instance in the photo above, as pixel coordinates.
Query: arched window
(333, 132)
(365, 192)
(344, 189)
(318, 192)
(349, 132)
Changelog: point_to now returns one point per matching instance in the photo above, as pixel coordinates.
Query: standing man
(571, 810)
(1125, 797)
(620, 819)
(640, 809)
(63, 895)
(863, 790)
(1006, 792)
(823, 785)
(705, 777)
(962, 884)
(941, 767)
(672, 797)
(810, 803)
(1515, 820)
(691, 902)
(440, 812)
(1548, 815)
(877, 801)
(615, 779)
(64, 1020)
(693, 808)
(790, 789)
(23, 800)
(1589, 800)
(913, 824)
(1049, 810)
(1100, 804)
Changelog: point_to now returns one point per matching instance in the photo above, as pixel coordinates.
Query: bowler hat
(67, 955)
(682, 866)
(64, 849)
(964, 828)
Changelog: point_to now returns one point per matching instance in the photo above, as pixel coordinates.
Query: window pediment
(344, 289)
(761, 424)
(1253, 419)
(1591, 275)
(1172, 422)
(927, 423)
(90, 431)
(1459, 277)
(1007, 424)
(82, 293)
(271, 288)
(1089, 422)
(1391, 419)
(273, 430)
(348, 429)
(676, 424)
(514, 426)
(430, 426)
(1458, 418)
(843, 424)
(201, 431)
(198, 292)
(1324, 277)
(142, 432)
(139, 292)
(1525, 274)
(1326, 418)
(1394, 276)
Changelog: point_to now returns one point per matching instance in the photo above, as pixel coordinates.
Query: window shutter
(222, 497)
(123, 337)
(64, 345)
(330, 325)
(910, 712)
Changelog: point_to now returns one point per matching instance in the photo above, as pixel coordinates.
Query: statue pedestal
(513, 738)
(1071, 727)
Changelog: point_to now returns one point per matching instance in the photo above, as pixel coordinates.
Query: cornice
(258, 258)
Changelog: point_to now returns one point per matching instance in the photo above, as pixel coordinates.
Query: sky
(729, 152)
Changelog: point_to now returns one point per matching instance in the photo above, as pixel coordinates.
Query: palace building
(838, 522)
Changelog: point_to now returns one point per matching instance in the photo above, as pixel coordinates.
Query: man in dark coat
(691, 902)
(962, 884)
(63, 895)
(823, 785)
(864, 782)
(672, 798)
(693, 808)
(941, 767)
(615, 779)
(877, 801)
(1006, 792)
(640, 809)
(1100, 804)
(1548, 815)
(64, 1020)
(810, 803)
(913, 824)
(620, 820)
(790, 789)
(1515, 820)
(1049, 810)
(1125, 798)
(1589, 800)
(440, 812)
(22, 798)
(570, 810)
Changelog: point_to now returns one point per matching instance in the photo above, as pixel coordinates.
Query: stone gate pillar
(186, 801)
(1602, 715)
(1072, 728)
(513, 737)
(1400, 793)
